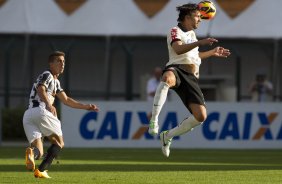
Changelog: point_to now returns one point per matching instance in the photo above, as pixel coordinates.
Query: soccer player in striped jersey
(41, 120)
(182, 73)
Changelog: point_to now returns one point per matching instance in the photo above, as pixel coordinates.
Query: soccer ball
(207, 10)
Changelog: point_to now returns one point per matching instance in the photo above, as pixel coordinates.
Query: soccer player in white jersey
(182, 73)
(40, 119)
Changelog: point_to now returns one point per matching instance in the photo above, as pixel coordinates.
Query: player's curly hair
(55, 54)
(186, 9)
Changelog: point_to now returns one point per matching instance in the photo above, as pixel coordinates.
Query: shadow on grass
(143, 167)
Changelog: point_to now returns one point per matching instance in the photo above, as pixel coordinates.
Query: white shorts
(38, 122)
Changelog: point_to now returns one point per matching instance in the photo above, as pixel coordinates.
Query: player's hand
(208, 41)
(221, 52)
(92, 107)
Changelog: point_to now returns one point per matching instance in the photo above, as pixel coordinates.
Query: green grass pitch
(106, 166)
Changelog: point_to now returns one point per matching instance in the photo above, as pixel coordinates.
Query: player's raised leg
(166, 142)
(159, 100)
(185, 126)
(35, 151)
(168, 80)
(31, 154)
(166, 136)
(29, 159)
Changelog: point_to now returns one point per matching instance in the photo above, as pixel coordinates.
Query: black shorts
(187, 86)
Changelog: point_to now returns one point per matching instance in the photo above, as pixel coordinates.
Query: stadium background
(111, 51)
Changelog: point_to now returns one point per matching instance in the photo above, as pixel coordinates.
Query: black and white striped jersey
(52, 85)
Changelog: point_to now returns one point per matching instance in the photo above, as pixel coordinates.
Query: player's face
(194, 19)
(58, 65)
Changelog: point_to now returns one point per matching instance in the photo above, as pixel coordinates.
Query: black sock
(52, 153)
(36, 153)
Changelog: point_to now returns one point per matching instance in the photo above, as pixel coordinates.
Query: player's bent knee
(40, 155)
(169, 79)
(62, 144)
(200, 117)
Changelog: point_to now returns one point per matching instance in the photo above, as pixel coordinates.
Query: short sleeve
(58, 87)
(174, 35)
(44, 79)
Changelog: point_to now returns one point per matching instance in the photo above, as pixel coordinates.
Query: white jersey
(191, 57)
(52, 88)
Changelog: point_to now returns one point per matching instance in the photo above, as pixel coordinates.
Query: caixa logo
(109, 125)
(255, 126)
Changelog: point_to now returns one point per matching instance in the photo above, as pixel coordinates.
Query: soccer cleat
(165, 143)
(29, 159)
(153, 128)
(38, 174)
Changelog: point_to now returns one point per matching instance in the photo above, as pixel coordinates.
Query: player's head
(189, 12)
(186, 9)
(54, 55)
(56, 62)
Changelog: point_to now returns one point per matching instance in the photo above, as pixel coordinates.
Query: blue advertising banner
(125, 124)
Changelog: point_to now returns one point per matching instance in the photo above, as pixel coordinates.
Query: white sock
(159, 100)
(185, 126)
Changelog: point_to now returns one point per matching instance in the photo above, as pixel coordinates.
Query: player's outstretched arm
(207, 41)
(217, 52)
(181, 48)
(221, 52)
(75, 104)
